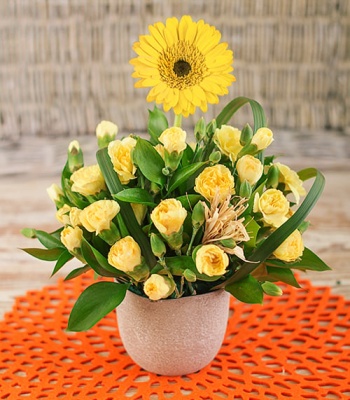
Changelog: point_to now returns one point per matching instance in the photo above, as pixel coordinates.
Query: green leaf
(188, 201)
(252, 228)
(281, 274)
(97, 261)
(157, 123)
(150, 163)
(309, 260)
(135, 195)
(48, 240)
(247, 290)
(63, 259)
(44, 254)
(77, 272)
(233, 106)
(114, 186)
(178, 264)
(279, 235)
(94, 303)
(187, 156)
(183, 174)
(307, 173)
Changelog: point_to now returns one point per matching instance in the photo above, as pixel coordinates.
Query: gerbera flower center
(182, 68)
(182, 65)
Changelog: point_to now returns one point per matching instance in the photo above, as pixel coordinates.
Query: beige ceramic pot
(173, 336)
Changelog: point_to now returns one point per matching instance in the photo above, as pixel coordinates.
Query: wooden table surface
(28, 167)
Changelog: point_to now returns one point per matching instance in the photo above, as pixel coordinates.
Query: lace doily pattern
(293, 347)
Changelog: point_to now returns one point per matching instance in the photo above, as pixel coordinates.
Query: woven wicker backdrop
(64, 63)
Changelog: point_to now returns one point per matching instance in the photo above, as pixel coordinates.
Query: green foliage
(135, 195)
(252, 269)
(308, 261)
(247, 290)
(98, 262)
(94, 303)
(44, 254)
(149, 161)
(157, 123)
(182, 175)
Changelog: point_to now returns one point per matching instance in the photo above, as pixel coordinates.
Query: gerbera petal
(207, 38)
(183, 26)
(158, 36)
(170, 33)
(187, 94)
(198, 95)
(147, 48)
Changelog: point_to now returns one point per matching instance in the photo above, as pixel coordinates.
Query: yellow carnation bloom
(125, 254)
(274, 207)
(98, 216)
(71, 237)
(249, 169)
(215, 180)
(211, 260)
(62, 215)
(120, 154)
(88, 180)
(55, 193)
(262, 138)
(292, 181)
(184, 63)
(227, 138)
(160, 150)
(74, 216)
(106, 128)
(291, 249)
(173, 139)
(169, 216)
(158, 287)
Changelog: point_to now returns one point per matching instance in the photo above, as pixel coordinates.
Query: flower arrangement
(166, 218)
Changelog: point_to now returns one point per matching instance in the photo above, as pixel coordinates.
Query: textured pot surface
(174, 336)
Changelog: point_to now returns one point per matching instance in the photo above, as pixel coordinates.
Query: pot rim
(184, 298)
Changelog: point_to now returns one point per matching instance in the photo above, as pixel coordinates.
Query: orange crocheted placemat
(293, 347)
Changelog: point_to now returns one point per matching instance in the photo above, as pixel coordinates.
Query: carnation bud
(154, 188)
(263, 138)
(246, 135)
(166, 171)
(271, 289)
(158, 246)
(245, 190)
(272, 177)
(229, 243)
(75, 156)
(215, 157)
(106, 132)
(56, 195)
(189, 275)
(199, 130)
(198, 215)
(211, 128)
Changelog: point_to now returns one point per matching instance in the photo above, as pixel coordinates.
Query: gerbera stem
(178, 120)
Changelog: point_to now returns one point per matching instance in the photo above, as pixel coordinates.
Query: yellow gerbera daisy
(184, 63)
